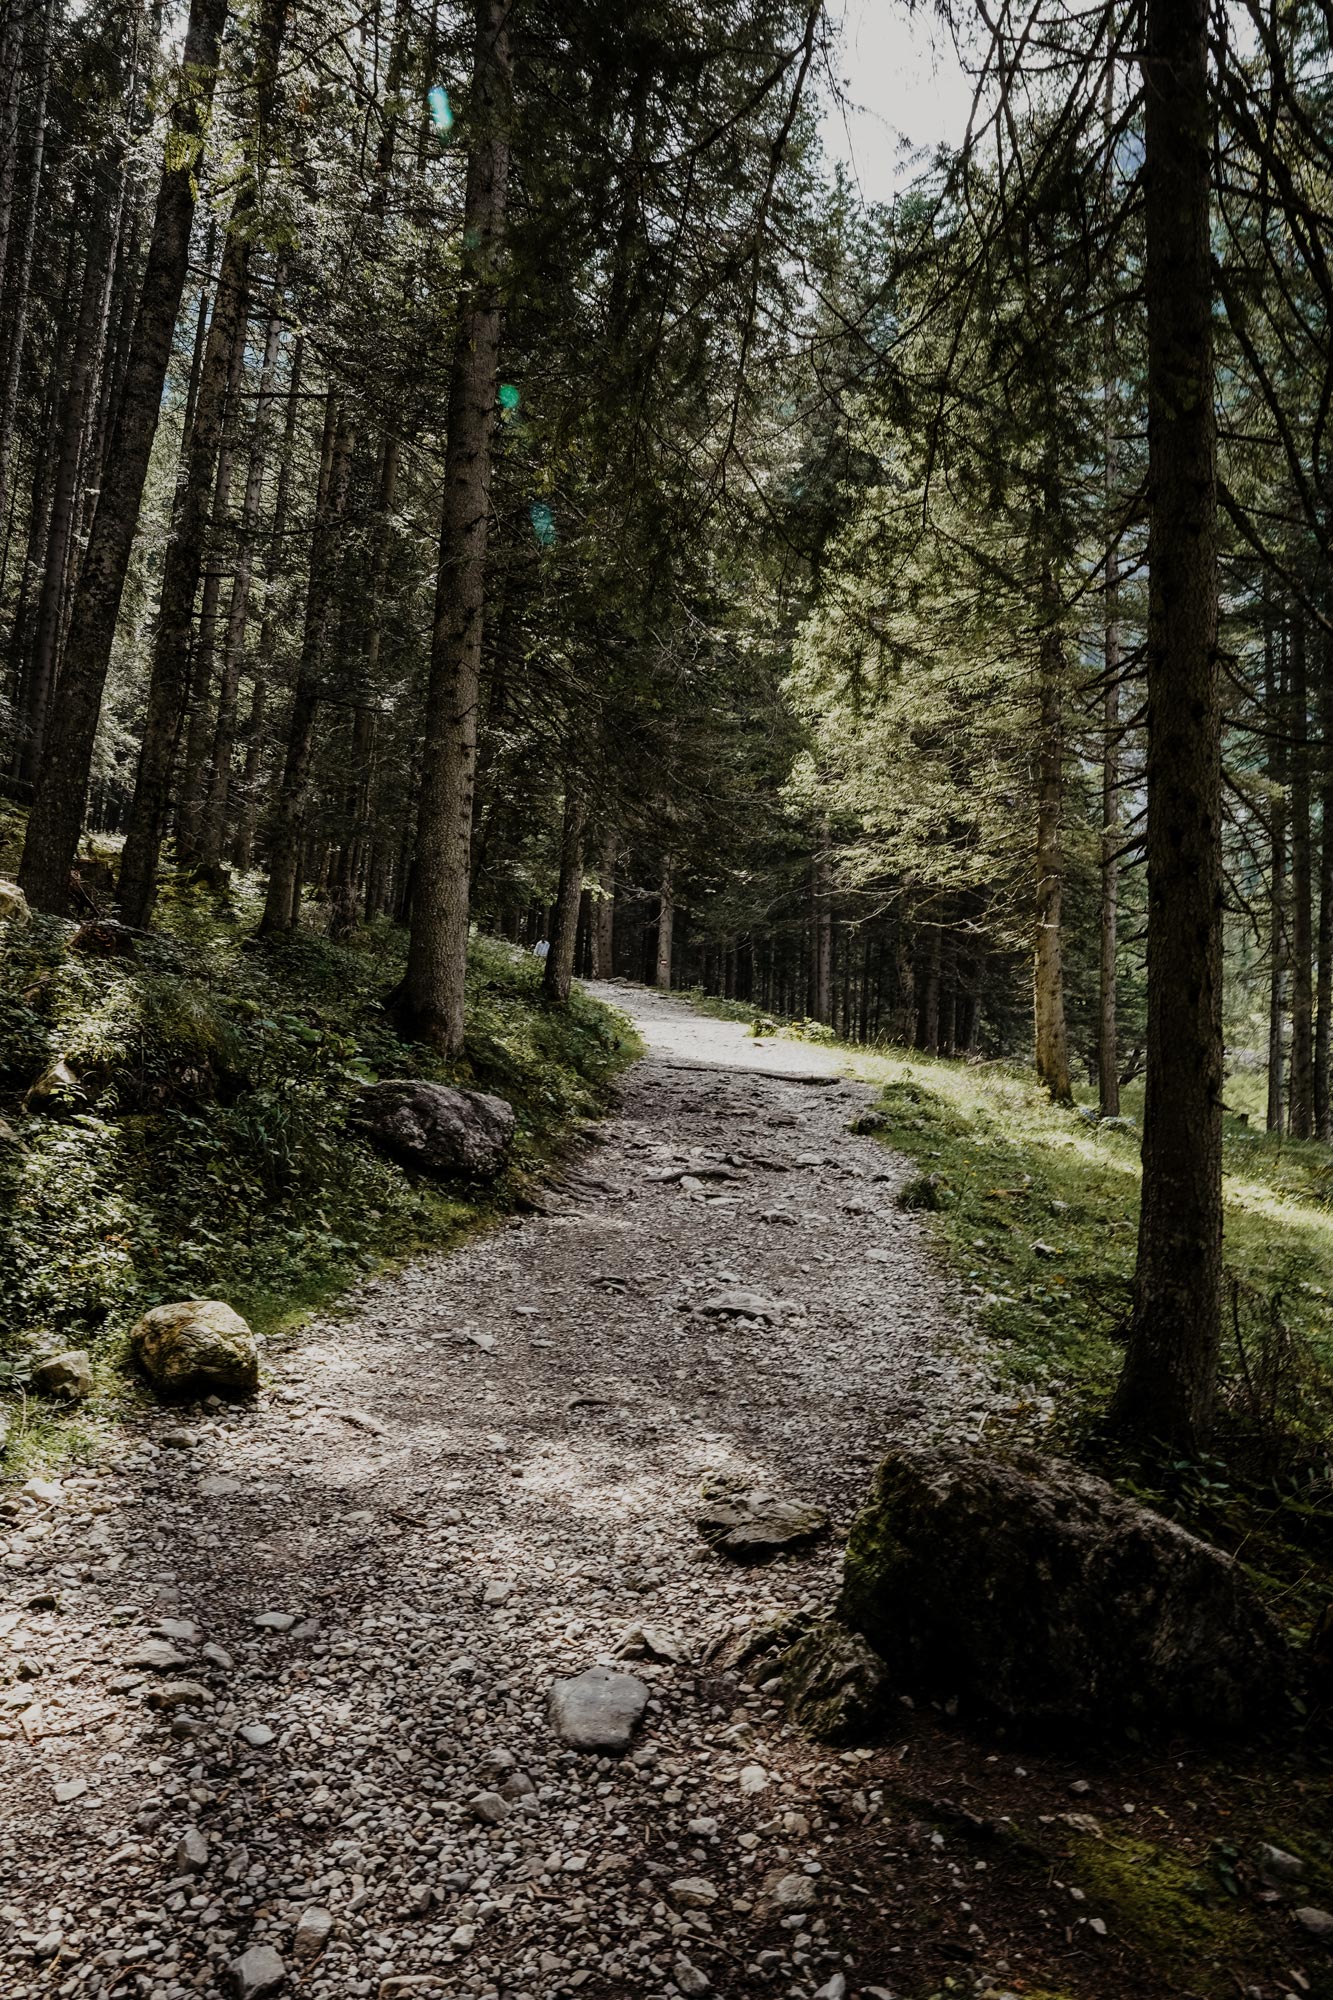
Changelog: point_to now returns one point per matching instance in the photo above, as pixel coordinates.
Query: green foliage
(211, 1152)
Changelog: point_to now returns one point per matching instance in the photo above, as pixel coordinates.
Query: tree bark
(197, 722)
(282, 904)
(1048, 977)
(430, 1001)
(666, 916)
(1108, 1060)
(213, 832)
(18, 326)
(559, 970)
(57, 815)
(1275, 707)
(821, 915)
(247, 818)
(1323, 1040)
(604, 913)
(1300, 1109)
(1168, 1383)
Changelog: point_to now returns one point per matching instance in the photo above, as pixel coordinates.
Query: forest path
(467, 1482)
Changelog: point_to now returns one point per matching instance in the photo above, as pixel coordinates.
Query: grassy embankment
(210, 1153)
(1035, 1207)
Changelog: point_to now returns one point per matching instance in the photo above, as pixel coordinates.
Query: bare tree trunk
(281, 906)
(604, 913)
(1300, 1110)
(666, 913)
(18, 327)
(1108, 1055)
(213, 832)
(64, 502)
(247, 818)
(11, 70)
(57, 814)
(1323, 1040)
(559, 968)
(1048, 979)
(1275, 705)
(207, 461)
(821, 914)
(430, 1000)
(1168, 1383)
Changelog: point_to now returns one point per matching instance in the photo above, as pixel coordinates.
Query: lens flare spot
(543, 522)
(441, 110)
(509, 396)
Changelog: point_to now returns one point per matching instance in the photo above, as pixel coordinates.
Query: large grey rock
(199, 1347)
(832, 1684)
(597, 1710)
(13, 903)
(756, 1524)
(1036, 1593)
(69, 1374)
(437, 1129)
(257, 1971)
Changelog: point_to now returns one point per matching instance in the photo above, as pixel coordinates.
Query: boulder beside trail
(68, 1374)
(1036, 1593)
(199, 1347)
(437, 1129)
(13, 903)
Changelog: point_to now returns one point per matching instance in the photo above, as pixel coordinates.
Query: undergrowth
(207, 1150)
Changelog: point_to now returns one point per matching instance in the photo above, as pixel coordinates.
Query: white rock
(313, 1930)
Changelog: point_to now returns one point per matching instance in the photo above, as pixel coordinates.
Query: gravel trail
(481, 1475)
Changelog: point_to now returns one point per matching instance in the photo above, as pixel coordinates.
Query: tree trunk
(64, 502)
(560, 959)
(666, 914)
(282, 904)
(430, 1000)
(1048, 979)
(1108, 1059)
(1323, 1041)
(603, 921)
(1275, 707)
(213, 833)
(192, 790)
(247, 818)
(1300, 1110)
(18, 325)
(822, 923)
(57, 814)
(1168, 1383)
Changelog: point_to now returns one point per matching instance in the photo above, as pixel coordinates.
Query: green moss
(1166, 1906)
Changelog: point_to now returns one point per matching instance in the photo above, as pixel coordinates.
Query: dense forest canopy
(484, 467)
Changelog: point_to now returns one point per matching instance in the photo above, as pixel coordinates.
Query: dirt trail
(470, 1481)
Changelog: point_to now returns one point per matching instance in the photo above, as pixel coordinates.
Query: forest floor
(480, 1475)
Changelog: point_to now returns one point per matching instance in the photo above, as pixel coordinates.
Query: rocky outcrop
(199, 1347)
(1035, 1593)
(832, 1684)
(438, 1130)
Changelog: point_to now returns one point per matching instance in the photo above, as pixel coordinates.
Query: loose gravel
(274, 1682)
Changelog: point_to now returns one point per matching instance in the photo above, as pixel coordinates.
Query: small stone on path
(598, 1709)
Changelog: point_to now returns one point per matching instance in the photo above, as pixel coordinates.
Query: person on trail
(542, 949)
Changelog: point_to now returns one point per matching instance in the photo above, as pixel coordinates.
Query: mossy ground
(211, 1152)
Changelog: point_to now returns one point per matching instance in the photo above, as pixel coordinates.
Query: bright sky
(904, 83)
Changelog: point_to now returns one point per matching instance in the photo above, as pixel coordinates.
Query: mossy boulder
(1035, 1593)
(199, 1347)
(832, 1684)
